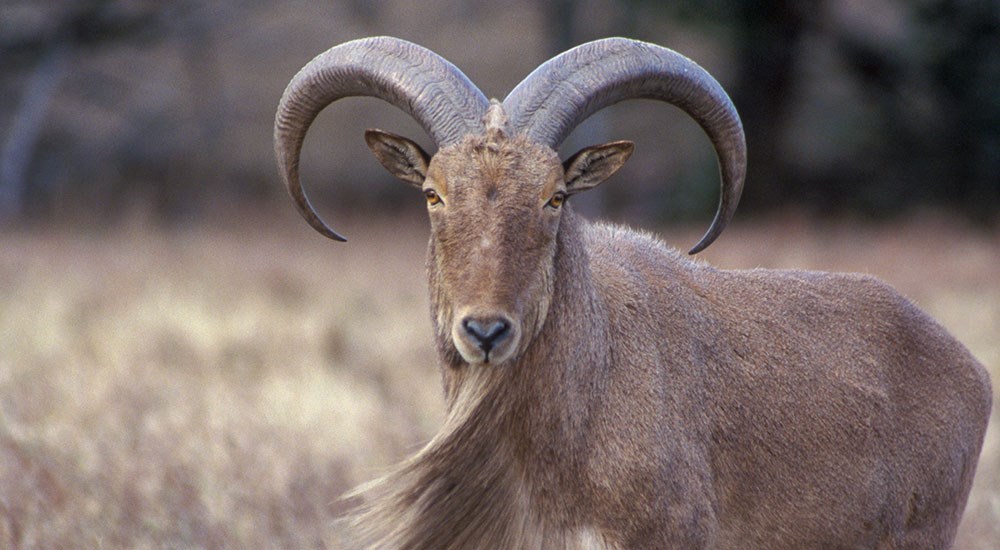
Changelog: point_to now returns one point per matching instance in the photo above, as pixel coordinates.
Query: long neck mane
(498, 471)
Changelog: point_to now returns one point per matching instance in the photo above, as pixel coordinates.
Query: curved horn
(422, 83)
(564, 91)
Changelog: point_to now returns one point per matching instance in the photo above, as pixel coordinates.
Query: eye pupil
(556, 200)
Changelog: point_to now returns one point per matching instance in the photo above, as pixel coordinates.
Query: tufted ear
(400, 156)
(592, 165)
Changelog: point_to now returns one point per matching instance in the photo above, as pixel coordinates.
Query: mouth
(484, 357)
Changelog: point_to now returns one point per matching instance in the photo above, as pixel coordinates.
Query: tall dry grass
(222, 386)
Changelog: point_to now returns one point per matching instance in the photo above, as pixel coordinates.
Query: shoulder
(640, 272)
(619, 245)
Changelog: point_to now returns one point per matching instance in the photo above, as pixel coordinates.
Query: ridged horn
(564, 91)
(433, 91)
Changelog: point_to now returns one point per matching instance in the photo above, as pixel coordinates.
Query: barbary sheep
(603, 390)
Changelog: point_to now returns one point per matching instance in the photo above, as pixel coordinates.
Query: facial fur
(493, 228)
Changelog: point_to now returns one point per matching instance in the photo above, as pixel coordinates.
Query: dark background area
(871, 109)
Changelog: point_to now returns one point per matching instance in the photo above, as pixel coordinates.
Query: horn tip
(702, 245)
(713, 233)
(317, 223)
(331, 234)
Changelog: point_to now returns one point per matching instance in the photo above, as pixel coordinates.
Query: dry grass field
(221, 386)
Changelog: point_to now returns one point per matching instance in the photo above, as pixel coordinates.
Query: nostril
(486, 332)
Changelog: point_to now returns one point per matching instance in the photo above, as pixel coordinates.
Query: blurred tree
(868, 107)
(769, 40)
(25, 129)
(45, 42)
(871, 107)
(959, 44)
(49, 46)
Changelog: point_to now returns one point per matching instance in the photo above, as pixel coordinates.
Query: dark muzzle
(486, 333)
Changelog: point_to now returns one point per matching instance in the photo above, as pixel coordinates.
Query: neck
(501, 467)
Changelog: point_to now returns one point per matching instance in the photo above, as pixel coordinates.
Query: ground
(222, 385)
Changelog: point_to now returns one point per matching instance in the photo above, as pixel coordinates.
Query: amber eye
(432, 197)
(557, 200)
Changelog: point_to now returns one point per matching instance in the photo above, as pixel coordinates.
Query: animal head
(496, 189)
(495, 202)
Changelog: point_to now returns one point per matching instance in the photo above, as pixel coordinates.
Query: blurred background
(871, 108)
(184, 363)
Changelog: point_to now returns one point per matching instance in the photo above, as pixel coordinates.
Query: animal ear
(592, 165)
(400, 156)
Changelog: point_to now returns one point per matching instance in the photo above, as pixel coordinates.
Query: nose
(486, 333)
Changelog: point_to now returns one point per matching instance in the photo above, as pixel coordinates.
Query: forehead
(478, 161)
